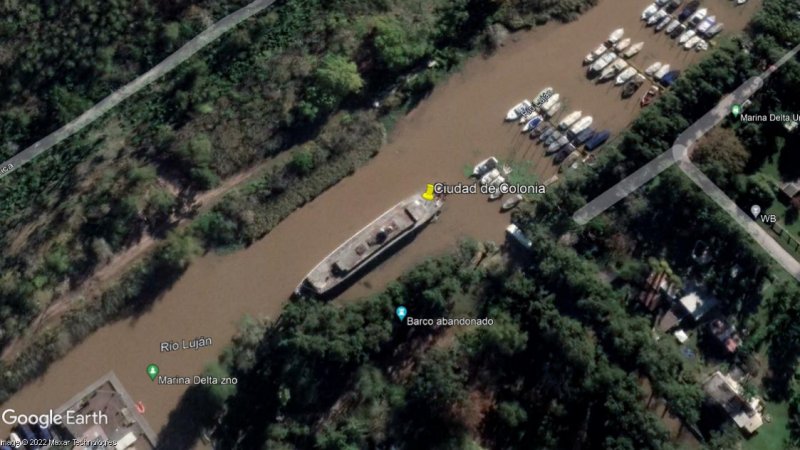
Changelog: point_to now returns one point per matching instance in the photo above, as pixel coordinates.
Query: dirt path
(116, 267)
(172, 61)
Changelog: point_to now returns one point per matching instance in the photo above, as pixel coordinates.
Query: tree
(755, 190)
(302, 162)
(178, 250)
(399, 45)
(721, 155)
(335, 78)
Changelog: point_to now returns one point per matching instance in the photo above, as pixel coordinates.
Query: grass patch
(773, 435)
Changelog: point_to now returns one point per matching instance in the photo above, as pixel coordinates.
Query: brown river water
(459, 124)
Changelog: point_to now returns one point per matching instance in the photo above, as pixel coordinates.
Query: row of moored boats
(692, 26)
(562, 138)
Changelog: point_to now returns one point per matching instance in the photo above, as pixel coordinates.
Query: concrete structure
(697, 306)
(125, 424)
(791, 189)
(728, 394)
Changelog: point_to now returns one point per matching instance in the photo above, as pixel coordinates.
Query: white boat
(672, 25)
(616, 35)
(691, 42)
(714, 30)
(603, 61)
(663, 23)
(706, 24)
(741, 2)
(519, 110)
(661, 72)
(551, 111)
(511, 203)
(649, 11)
(701, 45)
(542, 96)
(609, 72)
(623, 44)
(626, 75)
(653, 68)
(595, 54)
(496, 183)
(633, 49)
(581, 125)
(550, 102)
(655, 18)
(570, 119)
(484, 166)
(688, 34)
(530, 114)
(489, 177)
(699, 15)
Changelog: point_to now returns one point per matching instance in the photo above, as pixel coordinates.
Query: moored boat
(602, 62)
(677, 31)
(622, 45)
(661, 72)
(714, 30)
(649, 96)
(489, 176)
(546, 133)
(540, 130)
(670, 77)
(484, 166)
(556, 135)
(688, 34)
(595, 54)
(550, 102)
(616, 35)
(663, 23)
(657, 17)
(706, 25)
(688, 10)
(582, 137)
(633, 50)
(626, 75)
(691, 42)
(598, 140)
(519, 110)
(532, 124)
(672, 25)
(649, 11)
(511, 203)
(632, 85)
(543, 95)
(653, 68)
(699, 15)
(701, 45)
(609, 72)
(557, 144)
(551, 111)
(584, 123)
(570, 119)
(496, 184)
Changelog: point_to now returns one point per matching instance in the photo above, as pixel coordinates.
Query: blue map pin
(401, 312)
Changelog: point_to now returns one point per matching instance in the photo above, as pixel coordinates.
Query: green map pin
(152, 371)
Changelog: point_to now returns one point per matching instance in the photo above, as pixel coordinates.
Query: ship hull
(323, 280)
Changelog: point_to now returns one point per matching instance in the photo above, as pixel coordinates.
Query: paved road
(748, 222)
(200, 41)
(679, 153)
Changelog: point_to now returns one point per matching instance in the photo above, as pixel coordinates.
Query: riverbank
(458, 124)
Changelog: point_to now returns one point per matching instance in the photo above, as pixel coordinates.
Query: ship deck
(370, 241)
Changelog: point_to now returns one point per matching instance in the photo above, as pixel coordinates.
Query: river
(459, 124)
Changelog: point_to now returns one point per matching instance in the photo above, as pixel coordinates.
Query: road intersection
(679, 154)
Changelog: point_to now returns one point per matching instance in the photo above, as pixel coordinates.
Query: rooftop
(727, 392)
(125, 423)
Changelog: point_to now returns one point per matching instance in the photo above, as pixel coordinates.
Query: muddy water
(459, 124)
